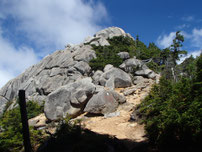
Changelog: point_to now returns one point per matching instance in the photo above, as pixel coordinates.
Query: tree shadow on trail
(76, 139)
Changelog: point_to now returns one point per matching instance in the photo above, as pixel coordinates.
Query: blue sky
(30, 30)
(153, 18)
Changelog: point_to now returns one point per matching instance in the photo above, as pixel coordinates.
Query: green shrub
(155, 67)
(172, 112)
(11, 139)
(8, 104)
(67, 134)
(33, 109)
(108, 54)
(107, 57)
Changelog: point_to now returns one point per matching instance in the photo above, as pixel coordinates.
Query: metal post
(25, 126)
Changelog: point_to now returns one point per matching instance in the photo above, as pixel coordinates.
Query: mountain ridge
(63, 67)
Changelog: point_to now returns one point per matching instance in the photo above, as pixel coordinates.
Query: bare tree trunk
(173, 73)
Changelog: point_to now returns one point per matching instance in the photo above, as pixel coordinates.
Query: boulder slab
(102, 103)
(120, 78)
(69, 99)
(124, 55)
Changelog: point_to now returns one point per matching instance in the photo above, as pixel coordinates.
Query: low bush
(33, 109)
(11, 139)
(108, 54)
(172, 112)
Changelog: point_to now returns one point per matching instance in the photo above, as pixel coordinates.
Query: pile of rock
(63, 80)
(112, 77)
(100, 38)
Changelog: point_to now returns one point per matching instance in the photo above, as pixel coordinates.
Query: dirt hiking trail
(119, 124)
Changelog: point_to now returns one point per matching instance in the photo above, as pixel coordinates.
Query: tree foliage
(173, 112)
(11, 139)
(175, 47)
(108, 54)
(33, 109)
(171, 55)
(187, 68)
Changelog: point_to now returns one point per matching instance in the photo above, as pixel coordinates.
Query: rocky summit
(65, 82)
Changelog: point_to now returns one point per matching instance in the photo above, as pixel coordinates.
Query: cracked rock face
(103, 103)
(55, 70)
(124, 55)
(100, 38)
(62, 80)
(115, 78)
(69, 99)
(110, 32)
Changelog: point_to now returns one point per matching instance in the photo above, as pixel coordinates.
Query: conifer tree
(171, 55)
(175, 47)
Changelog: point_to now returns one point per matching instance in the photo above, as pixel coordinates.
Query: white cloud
(197, 38)
(56, 22)
(186, 35)
(165, 41)
(188, 18)
(5, 76)
(46, 24)
(13, 60)
(183, 26)
(193, 53)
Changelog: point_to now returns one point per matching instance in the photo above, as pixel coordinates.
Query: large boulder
(100, 38)
(108, 67)
(140, 80)
(83, 67)
(110, 83)
(116, 77)
(146, 73)
(97, 41)
(133, 89)
(110, 32)
(84, 53)
(119, 98)
(124, 55)
(46, 84)
(38, 121)
(69, 99)
(103, 42)
(58, 104)
(104, 102)
(96, 76)
(137, 68)
(99, 88)
(133, 64)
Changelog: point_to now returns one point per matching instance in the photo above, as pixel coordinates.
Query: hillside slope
(63, 67)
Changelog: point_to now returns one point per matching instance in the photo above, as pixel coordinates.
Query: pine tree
(175, 47)
(171, 55)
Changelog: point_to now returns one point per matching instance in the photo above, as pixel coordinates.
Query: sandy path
(119, 126)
